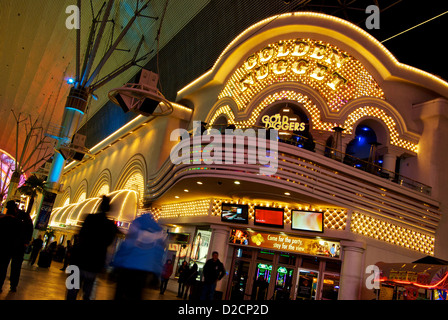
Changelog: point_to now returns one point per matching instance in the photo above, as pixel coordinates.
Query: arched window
(102, 184)
(291, 121)
(104, 189)
(81, 193)
(220, 123)
(82, 197)
(135, 182)
(361, 152)
(329, 145)
(133, 177)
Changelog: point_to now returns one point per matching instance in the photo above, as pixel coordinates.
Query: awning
(426, 276)
(123, 210)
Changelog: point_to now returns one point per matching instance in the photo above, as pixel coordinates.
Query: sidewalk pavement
(49, 284)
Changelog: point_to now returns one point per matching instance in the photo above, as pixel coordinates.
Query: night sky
(424, 47)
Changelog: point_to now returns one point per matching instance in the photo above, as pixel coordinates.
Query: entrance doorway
(261, 281)
(271, 275)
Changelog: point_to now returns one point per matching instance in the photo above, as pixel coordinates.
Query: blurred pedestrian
(139, 258)
(10, 240)
(183, 273)
(89, 255)
(213, 272)
(52, 248)
(190, 281)
(68, 252)
(25, 236)
(36, 247)
(60, 252)
(165, 276)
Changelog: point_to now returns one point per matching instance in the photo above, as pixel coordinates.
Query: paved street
(49, 284)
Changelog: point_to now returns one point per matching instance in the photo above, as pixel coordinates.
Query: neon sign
(334, 74)
(259, 64)
(285, 123)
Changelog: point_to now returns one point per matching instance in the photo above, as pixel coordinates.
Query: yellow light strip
(186, 209)
(392, 233)
(334, 218)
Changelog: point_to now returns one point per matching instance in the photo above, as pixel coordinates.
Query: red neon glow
(266, 216)
(417, 284)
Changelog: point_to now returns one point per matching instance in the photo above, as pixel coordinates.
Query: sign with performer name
(282, 122)
(287, 243)
(45, 211)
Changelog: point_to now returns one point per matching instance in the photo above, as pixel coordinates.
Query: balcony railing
(306, 172)
(360, 164)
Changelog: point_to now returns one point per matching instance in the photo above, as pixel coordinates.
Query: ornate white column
(431, 159)
(389, 160)
(220, 243)
(352, 270)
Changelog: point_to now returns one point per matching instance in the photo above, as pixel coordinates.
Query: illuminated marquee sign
(301, 52)
(285, 243)
(336, 75)
(279, 122)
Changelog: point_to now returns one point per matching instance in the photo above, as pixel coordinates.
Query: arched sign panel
(286, 117)
(337, 76)
(291, 122)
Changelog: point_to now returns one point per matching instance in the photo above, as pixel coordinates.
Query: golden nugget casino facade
(359, 178)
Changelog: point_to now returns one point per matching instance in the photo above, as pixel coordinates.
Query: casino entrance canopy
(123, 210)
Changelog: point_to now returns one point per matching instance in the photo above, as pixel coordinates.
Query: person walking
(183, 273)
(139, 258)
(165, 276)
(36, 247)
(10, 239)
(190, 281)
(25, 234)
(89, 255)
(213, 272)
(68, 252)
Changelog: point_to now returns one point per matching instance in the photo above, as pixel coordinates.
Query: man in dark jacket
(213, 272)
(89, 253)
(37, 246)
(10, 239)
(25, 236)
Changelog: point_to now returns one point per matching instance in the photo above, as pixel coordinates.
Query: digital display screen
(237, 213)
(272, 217)
(182, 238)
(307, 221)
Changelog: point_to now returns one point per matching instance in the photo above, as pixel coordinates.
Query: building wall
(138, 146)
(410, 98)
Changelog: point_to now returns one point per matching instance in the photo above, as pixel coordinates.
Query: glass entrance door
(262, 279)
(283, 283)
(239, 279)
(330, 286)
(306, 285)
